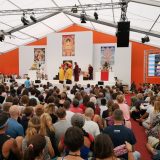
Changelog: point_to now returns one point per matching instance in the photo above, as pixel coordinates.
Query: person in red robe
(76, 72)
(90, 72)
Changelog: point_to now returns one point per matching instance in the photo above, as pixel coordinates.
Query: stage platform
(83, 83)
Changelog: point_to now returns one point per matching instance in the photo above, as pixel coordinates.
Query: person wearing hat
(61, 74)
(69, 74)
(8, 146)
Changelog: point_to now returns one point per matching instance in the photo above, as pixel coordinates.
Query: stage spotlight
(2, 37)
(24, 20)
(32, 17)
(74, 9)
(83, 17)
(145, 39)
(96, 15)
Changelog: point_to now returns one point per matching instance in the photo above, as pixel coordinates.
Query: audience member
(14, 129)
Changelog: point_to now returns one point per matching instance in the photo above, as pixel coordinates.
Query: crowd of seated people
(146, 111)
(92, 123)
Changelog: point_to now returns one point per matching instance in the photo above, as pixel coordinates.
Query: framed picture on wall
(39, 55)
(68, 45)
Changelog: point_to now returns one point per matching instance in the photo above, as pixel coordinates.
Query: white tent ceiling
(140, 15)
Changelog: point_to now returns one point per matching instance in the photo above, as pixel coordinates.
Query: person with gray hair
(90, 126)
(119, 134)
(14, 128)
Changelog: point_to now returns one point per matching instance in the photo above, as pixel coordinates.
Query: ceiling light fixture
(33, 18)
(24, 20)
(145, 39)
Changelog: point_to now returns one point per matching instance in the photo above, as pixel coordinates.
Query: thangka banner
(107, 55)
(68, 45)
(39, 55)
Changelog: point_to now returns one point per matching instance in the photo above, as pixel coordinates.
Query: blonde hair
(120, 98)
(34, 122)
(157, 106)
(30, 132)
(50, 108)
(46, 123)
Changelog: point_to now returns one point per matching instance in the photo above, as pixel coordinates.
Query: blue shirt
(14, 129)
(27, 83)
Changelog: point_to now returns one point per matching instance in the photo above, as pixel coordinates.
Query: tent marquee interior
(142, 14)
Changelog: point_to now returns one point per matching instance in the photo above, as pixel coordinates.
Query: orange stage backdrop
(9, 62)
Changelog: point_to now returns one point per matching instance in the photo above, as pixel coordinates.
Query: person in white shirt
(103, 107)
(69, 114)
(149, 111)
(87, 89)
(90, 126)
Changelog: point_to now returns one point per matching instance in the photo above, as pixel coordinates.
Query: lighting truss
(86, 7)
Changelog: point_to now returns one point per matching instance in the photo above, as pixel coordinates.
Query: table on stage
(104, 76)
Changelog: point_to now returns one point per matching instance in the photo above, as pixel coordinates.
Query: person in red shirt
(83, 106)
(75, 107)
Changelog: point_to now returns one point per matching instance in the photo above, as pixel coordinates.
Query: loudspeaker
(123, 34)
(37, 81)
(85, 78)
(100, 83)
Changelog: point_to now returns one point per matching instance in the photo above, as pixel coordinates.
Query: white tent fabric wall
(140, 15)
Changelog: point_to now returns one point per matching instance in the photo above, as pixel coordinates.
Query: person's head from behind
(118, 115)
(78, 120)
(88, 85)
(14, 112)
(120, 99)
(50, 108)
(30, 132)
(66, 104)
(50, 99)
(114, 107)
(89, 113)
(24, 100)
(41, 98)
(9, 99)
(6, 106)
(61, 113)
(91, 105)
(39, 110)
(75, 103)
(46, 123)
(78, 95)
(25, 92)
(33, 91)
(35, 147)
(63, 95)
(103, 146)
(28, 111)
(34, 122)
(74, 139)
(15, 101)
(103, 102)
(157, 106)
(140, 96)
(86, 99)
(32, 102)
(94, 100)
